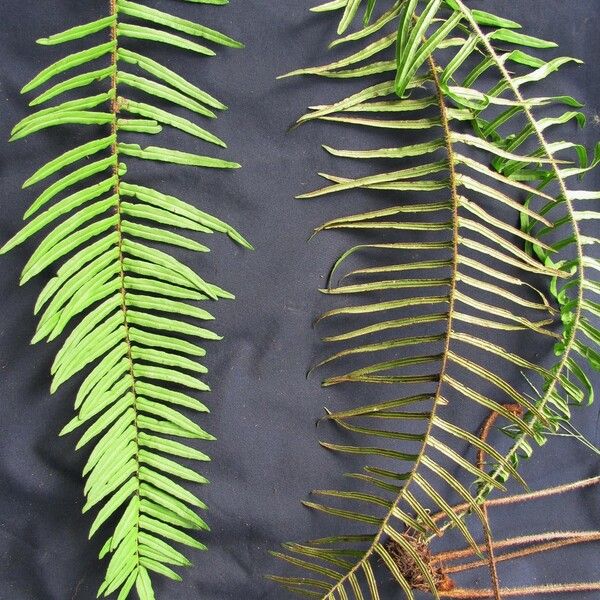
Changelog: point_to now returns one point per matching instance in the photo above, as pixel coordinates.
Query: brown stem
(536, 549)
(487, 531)
(519, 541)
(535, 590)
(518, 498)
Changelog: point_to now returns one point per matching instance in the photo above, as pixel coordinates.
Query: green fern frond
(128, 305)
(466, 279)
(566, 244)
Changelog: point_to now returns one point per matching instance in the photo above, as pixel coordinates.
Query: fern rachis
(136, 301)
(478, 295)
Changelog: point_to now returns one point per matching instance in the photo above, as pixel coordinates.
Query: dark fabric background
(267, 457)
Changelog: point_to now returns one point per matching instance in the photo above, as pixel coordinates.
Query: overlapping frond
(566, 244)
(450, 285)
(134, 329)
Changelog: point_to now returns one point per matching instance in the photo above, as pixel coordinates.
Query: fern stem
(123, 290)
(492, 560)
(564, 588)
(455, 235)
(522, 540)
(530, 496)
(559, 540)
(532, 419)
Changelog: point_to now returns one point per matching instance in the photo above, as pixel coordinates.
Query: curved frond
(458, 264)
(134, 331)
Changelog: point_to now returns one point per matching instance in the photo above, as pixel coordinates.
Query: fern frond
(129, 307)
(567, 381)
(439, 321)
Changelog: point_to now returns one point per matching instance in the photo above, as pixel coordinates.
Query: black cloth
(267, 455)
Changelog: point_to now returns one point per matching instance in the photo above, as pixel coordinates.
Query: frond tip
(134, 328)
